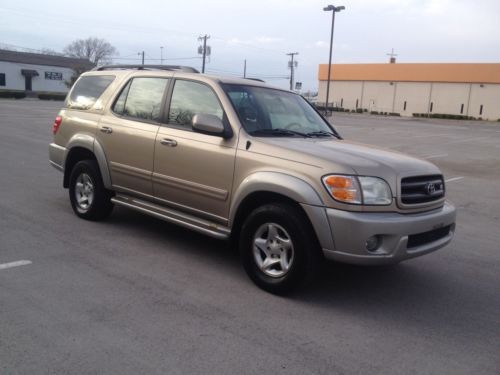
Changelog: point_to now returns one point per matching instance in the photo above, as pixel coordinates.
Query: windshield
(275, 113)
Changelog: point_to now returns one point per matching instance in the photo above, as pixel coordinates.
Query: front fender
(292, 187)
(275, 182)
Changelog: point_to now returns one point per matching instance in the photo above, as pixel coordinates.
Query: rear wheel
(278, 247)
(89, 198)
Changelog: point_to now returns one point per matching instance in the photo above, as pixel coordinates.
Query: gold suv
(237, 159)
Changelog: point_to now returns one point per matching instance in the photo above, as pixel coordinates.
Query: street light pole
(333, 9)
(161, 57)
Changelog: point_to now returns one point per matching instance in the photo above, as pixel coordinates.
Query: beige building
(455, 89)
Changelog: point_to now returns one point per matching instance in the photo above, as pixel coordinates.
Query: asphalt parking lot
(136, 295)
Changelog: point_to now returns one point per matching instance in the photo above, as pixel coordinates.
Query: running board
(173, 216)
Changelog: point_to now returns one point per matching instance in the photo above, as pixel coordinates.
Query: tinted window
(119, 106)
(87, 90)
(142, 98)
(2, 79)
(191, 98)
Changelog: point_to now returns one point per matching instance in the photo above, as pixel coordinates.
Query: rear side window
(141, 98)
(87, 90)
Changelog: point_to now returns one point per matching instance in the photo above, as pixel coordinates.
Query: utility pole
(161, 55)
(292, 65)
(204, 50)
(245, 69)
(141, 53)
(392, 56)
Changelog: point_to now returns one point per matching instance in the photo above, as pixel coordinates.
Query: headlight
(358, 190)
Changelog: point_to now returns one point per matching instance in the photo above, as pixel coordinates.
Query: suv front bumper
(400, 236)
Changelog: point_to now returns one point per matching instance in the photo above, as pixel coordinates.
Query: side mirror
(209, 124)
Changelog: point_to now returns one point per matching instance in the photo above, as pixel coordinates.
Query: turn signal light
(339, 182)
(343, 188)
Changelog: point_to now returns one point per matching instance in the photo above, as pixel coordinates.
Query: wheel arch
(81, 147)
(270, 187)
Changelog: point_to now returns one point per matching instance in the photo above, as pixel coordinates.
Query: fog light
(373, 243)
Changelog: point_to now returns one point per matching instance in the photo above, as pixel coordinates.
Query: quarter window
(141, 98)
(87, 90)
(190, 98)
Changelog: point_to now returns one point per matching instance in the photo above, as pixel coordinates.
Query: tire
(278, 248)
(89, 198)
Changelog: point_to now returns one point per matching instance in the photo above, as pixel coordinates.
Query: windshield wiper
(322, 133)
(279, 132)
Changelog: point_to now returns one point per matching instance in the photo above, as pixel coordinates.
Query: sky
(263, 32)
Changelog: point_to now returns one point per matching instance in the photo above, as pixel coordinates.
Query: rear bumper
(350, 231)
(57, 154)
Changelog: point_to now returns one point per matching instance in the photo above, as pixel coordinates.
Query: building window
(2, 79)
(357, 103)
(432, 105)
(481, 109)
(341, 102)
(404, 106)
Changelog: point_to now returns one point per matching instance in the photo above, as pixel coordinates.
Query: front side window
(87, 90)
(190, 98)
(141, 98)
(270, 112)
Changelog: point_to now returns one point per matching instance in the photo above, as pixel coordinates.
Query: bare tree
(98, 51)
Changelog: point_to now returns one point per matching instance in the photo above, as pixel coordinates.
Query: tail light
(57, 123)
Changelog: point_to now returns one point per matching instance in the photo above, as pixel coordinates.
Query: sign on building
(54, 76)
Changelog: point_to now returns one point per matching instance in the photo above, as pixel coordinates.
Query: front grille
(422, 189)
(420, 239)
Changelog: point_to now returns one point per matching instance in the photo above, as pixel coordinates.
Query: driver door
(193, 171)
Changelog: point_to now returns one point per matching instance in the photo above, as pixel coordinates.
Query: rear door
(128, 132)
(193, 171)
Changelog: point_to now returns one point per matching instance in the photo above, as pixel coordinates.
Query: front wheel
(278, 247)
(89, 198)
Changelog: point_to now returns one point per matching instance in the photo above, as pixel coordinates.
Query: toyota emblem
(430, 188)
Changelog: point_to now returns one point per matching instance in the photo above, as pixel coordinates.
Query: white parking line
(468, 140)
(454, 179)
(18, 263)
(431, 135)
(434, 156)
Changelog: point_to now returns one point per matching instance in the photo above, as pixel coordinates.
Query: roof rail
(181, 68)
(255, 79)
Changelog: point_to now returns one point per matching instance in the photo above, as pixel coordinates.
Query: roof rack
(180, 68)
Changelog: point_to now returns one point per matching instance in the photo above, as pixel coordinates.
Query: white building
(453, 89)
(33, 72)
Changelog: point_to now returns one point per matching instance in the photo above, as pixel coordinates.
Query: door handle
(106, 129)
(168, 142)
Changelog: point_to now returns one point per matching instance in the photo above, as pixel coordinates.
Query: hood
(341, 156)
